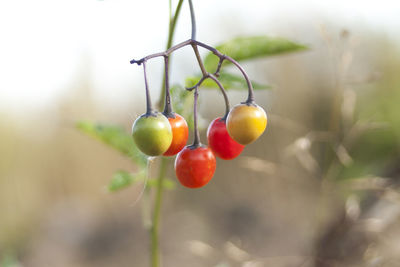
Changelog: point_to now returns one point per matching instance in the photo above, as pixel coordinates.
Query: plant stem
(171, 32)
(167, 106)
(155, 248)
(193, 19)
(154, 230)
(250, 98)
(196, 141)
(220, 86)
(149, 108)
(198, 57)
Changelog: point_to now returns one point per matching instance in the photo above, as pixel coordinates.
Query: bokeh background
(319, 188)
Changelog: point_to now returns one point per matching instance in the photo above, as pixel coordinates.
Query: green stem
(154, 230)
(155, 248)
(171, 32)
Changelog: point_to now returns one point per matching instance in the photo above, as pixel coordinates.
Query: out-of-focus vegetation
(320, 188)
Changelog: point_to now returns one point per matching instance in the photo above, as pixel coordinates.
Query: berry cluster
(166, 133)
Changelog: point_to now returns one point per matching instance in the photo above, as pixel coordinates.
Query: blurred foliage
(374, 138)
(122, 179)
(116, 137)
(9, 259)
(252, 47)
(228, 80)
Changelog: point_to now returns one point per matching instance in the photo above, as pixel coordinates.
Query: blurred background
(319, 188)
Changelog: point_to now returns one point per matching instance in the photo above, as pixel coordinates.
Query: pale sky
(43, 42)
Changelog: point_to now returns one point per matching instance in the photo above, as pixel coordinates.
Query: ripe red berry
(180, 133)
(195, 166)
(220, 141)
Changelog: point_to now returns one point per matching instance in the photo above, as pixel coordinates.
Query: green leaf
(9, 259)
(122, 179)
(228, 80)
(114, 136)
(243, 48)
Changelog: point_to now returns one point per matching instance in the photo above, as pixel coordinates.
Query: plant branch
(220, 86)
(221, 60)
(250, 98)
(199, 60)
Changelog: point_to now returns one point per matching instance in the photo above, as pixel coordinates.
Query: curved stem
(203, 78)
(250, 98)
(194, 43)
(149, 108)
(167, 107)
(220, 86)
(162, 54)
(196, 141)
(227, 105)
(193, 20)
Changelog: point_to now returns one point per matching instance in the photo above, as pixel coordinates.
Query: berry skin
(152, 133)
(195, 166)
(220, 142)
(180, 134)
(246, 122)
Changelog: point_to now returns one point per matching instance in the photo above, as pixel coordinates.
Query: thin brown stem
(221, 87)
(193, 20)
(149, 108)
(196, 141)
(199, 60)
(221, 60)
(194, 44)
(167, 107)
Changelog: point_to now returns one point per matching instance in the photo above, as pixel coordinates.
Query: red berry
(180, 133)
(220, 141)
(195, 166)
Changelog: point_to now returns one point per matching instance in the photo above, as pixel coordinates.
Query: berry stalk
(196, 141)
(149, 107)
